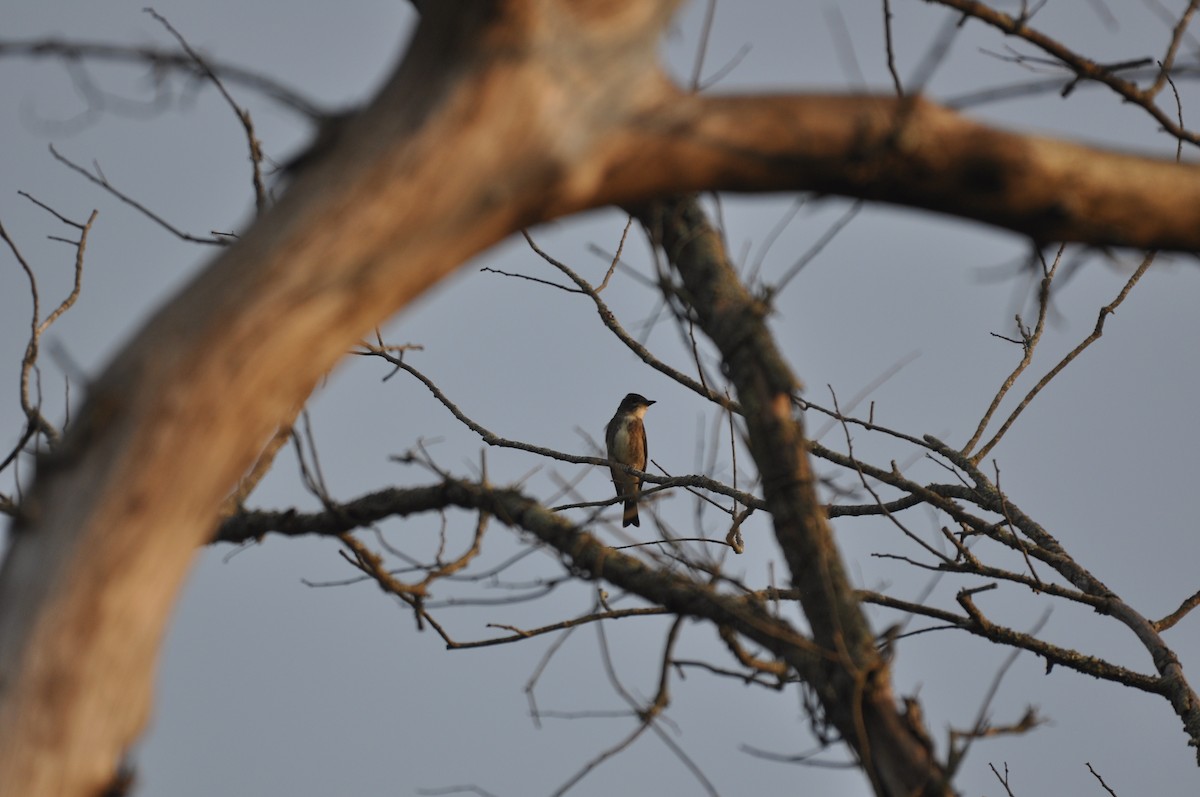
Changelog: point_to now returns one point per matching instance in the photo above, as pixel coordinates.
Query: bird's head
(634, 403)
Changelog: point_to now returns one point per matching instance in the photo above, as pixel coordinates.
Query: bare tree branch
(854, 688)
(500, 116)
(157, 60)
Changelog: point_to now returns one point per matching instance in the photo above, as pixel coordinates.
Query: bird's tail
(630, 518)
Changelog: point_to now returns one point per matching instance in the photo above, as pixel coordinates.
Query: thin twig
(610, 321)
(100, 180)
(256, 156)
(1174, 617)
(891, 53)
(1029, 341)
(1097, 332)
(158, 61)
(1096, 775)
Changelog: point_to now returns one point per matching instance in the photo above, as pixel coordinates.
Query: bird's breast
(627, 444)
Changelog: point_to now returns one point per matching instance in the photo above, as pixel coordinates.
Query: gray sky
(269, 686)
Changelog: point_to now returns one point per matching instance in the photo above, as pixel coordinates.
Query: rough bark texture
(501, 114)
(912, 152)
(459, 150)
(853, 686)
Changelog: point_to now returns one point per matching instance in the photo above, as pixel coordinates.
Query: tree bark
(912, 152)
(853, 685)
(460, 148)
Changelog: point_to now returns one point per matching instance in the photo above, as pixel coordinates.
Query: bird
(625, 437)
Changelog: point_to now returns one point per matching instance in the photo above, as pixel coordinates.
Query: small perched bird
(625, 437)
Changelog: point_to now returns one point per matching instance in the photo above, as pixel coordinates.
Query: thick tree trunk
(458, 151)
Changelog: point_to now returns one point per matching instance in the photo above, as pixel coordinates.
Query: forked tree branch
(854, 687)
(460, 148)
(501, 115)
